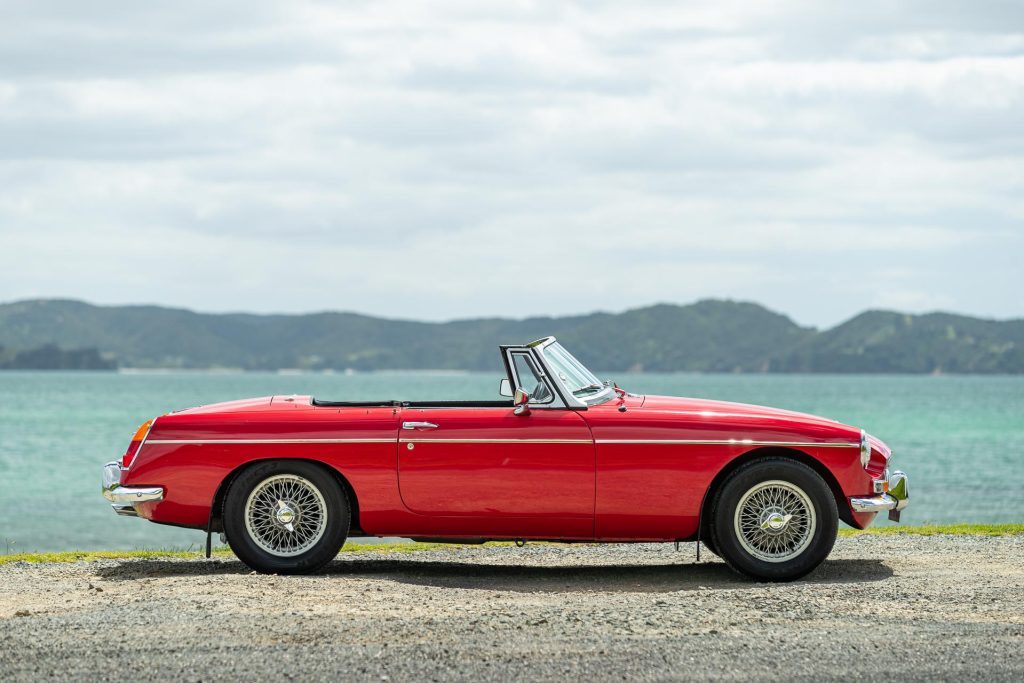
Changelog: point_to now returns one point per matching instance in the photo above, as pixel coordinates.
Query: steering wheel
(540, 393)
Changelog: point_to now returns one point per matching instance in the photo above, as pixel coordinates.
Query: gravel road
(881, 608)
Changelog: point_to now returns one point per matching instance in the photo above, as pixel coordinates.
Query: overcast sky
(440, 160)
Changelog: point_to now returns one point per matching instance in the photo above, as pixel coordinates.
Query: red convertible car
(287, 479)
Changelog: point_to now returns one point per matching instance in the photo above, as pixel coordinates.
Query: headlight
(865, 449)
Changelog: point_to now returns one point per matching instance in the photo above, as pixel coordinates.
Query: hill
(883, 341)
(707, 336)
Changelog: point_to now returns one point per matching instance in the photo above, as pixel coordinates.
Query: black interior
(355, 404)
(413, 404)
(458, 404)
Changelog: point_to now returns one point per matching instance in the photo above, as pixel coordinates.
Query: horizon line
(499, 317)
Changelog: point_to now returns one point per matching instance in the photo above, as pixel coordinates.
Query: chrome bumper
(894, 499)
(123, 498)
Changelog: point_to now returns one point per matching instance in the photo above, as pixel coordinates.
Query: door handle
(419, 425)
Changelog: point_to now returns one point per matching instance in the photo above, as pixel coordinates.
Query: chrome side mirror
(522, 402)
(505, 388)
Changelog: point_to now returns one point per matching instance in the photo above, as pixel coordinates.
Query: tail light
(133, 447)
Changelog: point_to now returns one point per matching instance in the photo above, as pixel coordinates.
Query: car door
(486, 470)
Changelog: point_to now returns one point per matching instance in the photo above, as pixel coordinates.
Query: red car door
(488, 471)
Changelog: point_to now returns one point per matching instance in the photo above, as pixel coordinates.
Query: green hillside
(708, 336)
(883, 341)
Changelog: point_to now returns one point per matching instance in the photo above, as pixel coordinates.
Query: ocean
(960, 438)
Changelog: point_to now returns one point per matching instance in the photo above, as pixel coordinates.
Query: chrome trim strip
(873, 503)
(129, 494)
(496, 441)
(670, 442)
(729, 442)
(209, 441)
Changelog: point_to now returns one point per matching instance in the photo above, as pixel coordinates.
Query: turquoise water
(960, 438)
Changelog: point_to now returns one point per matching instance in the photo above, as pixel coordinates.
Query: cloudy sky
(467, 158)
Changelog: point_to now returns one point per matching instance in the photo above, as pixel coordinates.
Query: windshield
(574, 375)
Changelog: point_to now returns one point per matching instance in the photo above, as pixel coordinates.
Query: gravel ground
(881, 608)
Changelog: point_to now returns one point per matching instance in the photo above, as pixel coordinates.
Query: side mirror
(505, 388)
(522, 402)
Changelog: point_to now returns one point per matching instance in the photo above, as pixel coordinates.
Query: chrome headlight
(865, 449)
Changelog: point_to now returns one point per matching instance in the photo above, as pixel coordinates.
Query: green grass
(89, 556)
(399, 548)
(164, 553)
(941, 529)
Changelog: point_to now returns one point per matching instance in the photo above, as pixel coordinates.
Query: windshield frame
(558, 359)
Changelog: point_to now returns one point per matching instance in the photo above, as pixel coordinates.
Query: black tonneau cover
(412, 404)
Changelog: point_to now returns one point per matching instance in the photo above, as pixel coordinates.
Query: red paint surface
(532, 487)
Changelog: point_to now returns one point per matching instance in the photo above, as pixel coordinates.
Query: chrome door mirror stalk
(521, 401)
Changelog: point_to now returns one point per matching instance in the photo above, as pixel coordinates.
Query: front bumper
(124, 498)
(894, 496)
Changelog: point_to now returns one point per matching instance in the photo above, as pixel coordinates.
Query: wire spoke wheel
(285, 515)
(775, 521)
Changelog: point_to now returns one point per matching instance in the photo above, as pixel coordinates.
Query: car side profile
(561, 456)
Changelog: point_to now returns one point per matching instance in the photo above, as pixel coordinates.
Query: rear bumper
(894, 499)
(124, 498)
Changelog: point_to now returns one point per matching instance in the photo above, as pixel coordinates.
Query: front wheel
(774, 519)
(286, 517)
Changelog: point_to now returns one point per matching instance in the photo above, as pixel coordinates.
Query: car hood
(729, 411)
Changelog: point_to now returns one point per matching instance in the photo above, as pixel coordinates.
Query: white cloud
(422, 159)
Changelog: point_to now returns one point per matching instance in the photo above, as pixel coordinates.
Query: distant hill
(883, 341)
(708, 336)
(52, 357)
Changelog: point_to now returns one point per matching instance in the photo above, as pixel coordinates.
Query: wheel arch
(216, 519)
(775, 452)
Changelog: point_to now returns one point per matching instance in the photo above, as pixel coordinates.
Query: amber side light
(133, 447)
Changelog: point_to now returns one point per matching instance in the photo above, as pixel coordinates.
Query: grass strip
(411, 547)
(224, 552)
(939, 530)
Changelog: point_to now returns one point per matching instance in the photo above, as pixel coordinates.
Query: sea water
(960, 438)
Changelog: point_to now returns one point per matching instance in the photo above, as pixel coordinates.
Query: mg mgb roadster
(562, 456)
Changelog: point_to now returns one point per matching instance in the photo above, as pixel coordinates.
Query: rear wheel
(774, 519)
(286, 517)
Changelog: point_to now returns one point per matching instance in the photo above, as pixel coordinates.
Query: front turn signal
(133, 447)
(141, 432)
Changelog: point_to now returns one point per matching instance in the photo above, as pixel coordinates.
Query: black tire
(319, 517)
(760, 540)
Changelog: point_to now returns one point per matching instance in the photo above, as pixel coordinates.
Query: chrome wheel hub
(285, 515)
(775, 521)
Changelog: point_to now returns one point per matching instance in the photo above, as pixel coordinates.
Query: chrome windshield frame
(569, 399)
